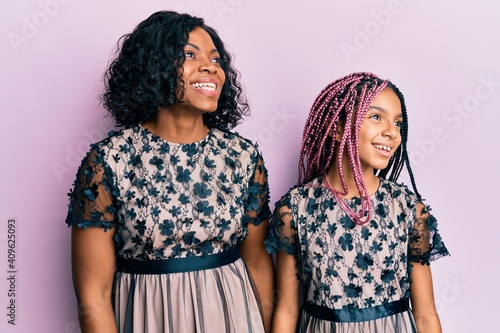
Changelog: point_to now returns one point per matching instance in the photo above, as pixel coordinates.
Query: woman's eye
(189, 54)
(216, 60)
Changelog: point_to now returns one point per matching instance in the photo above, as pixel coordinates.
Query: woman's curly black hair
(145, 75)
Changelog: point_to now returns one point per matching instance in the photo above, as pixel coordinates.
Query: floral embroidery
(171, 200)
(342, 264)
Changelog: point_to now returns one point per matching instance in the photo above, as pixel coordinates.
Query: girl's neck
(372, 182)
(174, 126)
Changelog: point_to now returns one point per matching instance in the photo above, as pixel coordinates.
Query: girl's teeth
(382, 147)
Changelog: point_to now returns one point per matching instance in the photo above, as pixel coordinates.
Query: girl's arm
(93, 264)
(422, 290)
(422, 300)
(286, 314)
(261, 267)
(283, 240)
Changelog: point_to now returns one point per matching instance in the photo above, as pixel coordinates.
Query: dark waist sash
(176, 265)
(356, 315)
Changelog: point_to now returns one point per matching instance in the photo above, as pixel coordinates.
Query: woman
(169, 214)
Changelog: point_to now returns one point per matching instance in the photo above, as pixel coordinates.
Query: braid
(347, 100)
(400, 157)
(315, 156)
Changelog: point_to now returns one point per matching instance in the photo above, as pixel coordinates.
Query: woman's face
(202, 74)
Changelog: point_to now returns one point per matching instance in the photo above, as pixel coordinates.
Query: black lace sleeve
(282, 234)
(92, 202)
(425, 242)
(257, 205)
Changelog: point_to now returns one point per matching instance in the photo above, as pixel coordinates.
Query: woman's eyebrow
(197, 48)
(194, 46)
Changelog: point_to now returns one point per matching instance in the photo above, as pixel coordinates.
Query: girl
(359, 242)
(169, 215)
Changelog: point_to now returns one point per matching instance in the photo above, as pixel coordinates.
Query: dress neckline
(160, 139)
(322, 183)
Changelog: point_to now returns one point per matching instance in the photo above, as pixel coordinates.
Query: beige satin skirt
(215, 300)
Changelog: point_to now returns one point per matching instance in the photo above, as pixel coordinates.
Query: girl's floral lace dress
(355, 278)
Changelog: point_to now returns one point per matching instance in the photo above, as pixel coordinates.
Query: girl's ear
(339, 131)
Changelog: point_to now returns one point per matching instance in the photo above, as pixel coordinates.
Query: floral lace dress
(179, 212)
(355, 278)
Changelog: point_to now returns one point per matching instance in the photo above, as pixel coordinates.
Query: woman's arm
(93, 264)
(286, 314)
(261, 267)
(91, 215)
(422, 300)
(252, 248)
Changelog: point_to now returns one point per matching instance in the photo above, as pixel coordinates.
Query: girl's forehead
(387, 100)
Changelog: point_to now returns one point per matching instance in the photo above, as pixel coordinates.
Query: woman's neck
(174, 126)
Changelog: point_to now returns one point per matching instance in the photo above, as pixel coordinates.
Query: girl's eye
(375, 116)
(398, 123)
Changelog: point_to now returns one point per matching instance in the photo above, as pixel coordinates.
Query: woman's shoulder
(235, 147)
(116, 140)
(236, 141)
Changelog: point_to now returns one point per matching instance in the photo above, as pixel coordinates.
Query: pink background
(444, 55)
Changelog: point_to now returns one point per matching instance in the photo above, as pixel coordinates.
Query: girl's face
(379, 134)
(202, 74)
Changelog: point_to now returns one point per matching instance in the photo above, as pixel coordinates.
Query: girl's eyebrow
(194, 46)
(381, 109)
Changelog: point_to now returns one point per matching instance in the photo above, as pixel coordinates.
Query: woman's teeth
(205, 86)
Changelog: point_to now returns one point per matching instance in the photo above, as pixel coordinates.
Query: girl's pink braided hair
(346, 100)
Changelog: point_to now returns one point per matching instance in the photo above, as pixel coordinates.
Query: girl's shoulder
(392, 186)
(398, 192)
(310, 190)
